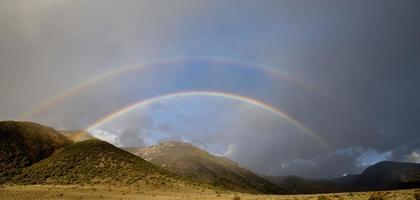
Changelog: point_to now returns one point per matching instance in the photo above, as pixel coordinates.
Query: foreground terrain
(35, 192)
(39, 162)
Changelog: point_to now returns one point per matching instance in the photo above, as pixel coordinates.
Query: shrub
(417, 196)
(376, 196)
(236, 198)
(323, 198)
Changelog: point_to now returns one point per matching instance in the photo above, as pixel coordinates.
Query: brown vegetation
(72, 192)
(23, 144)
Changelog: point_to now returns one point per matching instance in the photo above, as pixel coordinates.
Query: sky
(314, 88)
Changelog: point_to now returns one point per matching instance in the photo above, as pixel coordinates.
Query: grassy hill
(24, 143)
(189, 161)
(94, 162)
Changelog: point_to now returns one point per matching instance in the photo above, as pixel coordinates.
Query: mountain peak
(190, 161)
(176, 144)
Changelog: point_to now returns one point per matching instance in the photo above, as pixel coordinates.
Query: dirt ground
(45, 192)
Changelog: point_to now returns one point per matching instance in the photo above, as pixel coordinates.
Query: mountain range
(31, 153)
(384, 175)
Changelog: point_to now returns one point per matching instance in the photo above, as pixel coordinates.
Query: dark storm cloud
(364, 54)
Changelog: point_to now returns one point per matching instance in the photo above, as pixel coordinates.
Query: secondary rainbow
(122, 70)
(254, 102)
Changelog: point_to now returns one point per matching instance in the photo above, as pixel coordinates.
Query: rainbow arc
(56, 99)
(254, 102)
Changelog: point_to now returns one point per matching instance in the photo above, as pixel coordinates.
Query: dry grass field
(45, 192)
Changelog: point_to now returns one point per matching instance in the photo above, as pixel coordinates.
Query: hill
(24, 143)
(95, 162)
(189, 161)
(77, 136)
(383, 176)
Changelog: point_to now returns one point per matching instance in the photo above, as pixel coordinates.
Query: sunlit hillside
(189, 161)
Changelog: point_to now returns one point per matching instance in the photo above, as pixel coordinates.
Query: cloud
(104, 135)
(49, 46)
(371, 156)
(413, 157)
(231, 150)
(131, 138)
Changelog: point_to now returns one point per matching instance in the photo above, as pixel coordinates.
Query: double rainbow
(50, 102)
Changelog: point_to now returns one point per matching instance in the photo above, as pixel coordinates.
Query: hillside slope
(24, 143)
(94, 162)
(384, 175)
(189, 161)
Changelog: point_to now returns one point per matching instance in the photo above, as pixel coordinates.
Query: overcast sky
(347, 70)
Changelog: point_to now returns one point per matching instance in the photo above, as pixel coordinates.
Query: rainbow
(240, 98)
(48, 103)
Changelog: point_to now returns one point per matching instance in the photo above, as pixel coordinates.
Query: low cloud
(413, 157)
(131, 138)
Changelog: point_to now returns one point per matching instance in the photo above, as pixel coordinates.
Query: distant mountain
(24, 143)
(95, 162)
(77, 136)
(189, 161)
(298, 185)
(383, 176)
